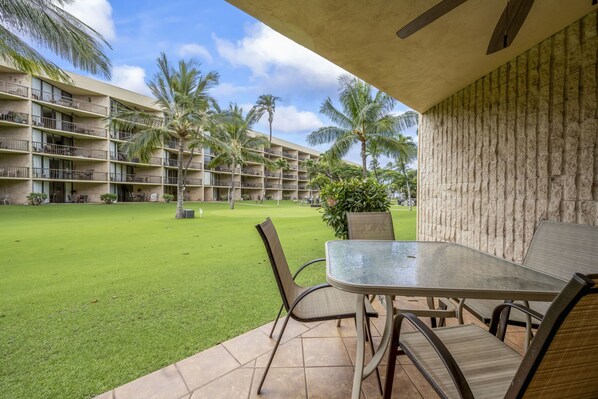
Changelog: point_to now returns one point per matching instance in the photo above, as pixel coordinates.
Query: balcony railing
(303, 188)
(289, 186)
(14, 171)
(289, 155)
(293, 167)
(13, 116)
(251, 172)
(186, 164)
(124, 136)
(65, 126)
(273, 152)
(68, 102)
(70, 151)
(219, 183)
(188, 181)
(221, 168)
(272, 174)
(13, 88)
(67, 174)
(134, 178)
(273, 186)
(250, 185)
(119, 156)
(14, 144)
(287, 176)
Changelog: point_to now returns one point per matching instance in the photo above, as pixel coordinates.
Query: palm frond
(325, 135)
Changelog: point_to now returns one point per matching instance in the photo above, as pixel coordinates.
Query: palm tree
(182, 96)
(404, 154)
(47, 24)
(235, 145)
(266, 103)
(365, 118)
(283, 165)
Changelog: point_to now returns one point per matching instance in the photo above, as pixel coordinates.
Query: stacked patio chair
(306, 304)
(557, 248)
(468, 362)
(379, 226)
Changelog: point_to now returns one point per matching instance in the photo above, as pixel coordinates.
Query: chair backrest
(562, 360)
(286, 285)
(370, 226)
(562, 249)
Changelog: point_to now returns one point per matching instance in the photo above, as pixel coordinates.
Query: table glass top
(411, 268)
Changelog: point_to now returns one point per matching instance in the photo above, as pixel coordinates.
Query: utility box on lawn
(188, 213)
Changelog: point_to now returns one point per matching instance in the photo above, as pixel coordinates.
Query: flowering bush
(355, 195)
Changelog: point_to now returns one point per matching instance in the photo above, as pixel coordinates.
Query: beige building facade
(54, 139)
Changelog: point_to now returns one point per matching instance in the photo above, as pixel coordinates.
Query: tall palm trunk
(231, 199)
(408, 187)
(270, 124)
(364, 160)
(180, 191)
(279, 188)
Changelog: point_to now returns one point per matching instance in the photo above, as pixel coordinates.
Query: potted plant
(167, 197)
(108, 198)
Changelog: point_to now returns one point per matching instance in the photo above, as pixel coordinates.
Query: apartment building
(54, 139)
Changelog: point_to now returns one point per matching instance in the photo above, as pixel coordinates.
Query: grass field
(94, 296)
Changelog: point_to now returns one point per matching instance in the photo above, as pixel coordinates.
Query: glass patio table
(417, 268)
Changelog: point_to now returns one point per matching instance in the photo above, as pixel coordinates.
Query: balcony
(220, 183)
(68, 174)
(14, 117)
(288, 176)
(123, 136)
(289, 187)
(70, 127)
(303, 187)
(122, 157)
(272, 174)
(272, 152)
(188, 181)
(134, 178)
(172, 163)
(289, 155)
(13, 144)
(68, 102)
(251, 185)
(19, 172)
(276, 186)
(14, 89)
(69, 151)
(252, 172)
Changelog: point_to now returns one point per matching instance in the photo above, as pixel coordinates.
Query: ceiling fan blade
(444, 7)
(509, 24)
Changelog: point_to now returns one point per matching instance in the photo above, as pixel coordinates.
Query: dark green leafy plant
(167, 197)
(355, 195)
(37, 198)
(108, 198)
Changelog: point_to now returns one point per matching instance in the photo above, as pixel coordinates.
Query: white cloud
(225, 90)
(130, 77)
(272, 56)
(193, 49)
(289, 119)
(95, 13)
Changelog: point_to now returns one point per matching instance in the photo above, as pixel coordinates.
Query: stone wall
(517, 146)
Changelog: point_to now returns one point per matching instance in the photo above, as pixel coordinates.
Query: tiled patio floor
(315, 360)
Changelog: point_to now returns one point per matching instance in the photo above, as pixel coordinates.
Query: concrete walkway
(315, 360)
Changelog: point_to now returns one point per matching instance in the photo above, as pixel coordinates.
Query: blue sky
(251, 58)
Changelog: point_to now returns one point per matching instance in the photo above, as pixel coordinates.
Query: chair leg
(284, 326)
(338, 323)
(392, 360)
(276, 320)
(368, 331)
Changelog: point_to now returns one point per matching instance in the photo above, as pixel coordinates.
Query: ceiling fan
(506, 29)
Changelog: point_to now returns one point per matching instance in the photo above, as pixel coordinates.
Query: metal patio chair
(557, 248)
(467, 362)
(6, 199)
(306, 304)
(379, 226)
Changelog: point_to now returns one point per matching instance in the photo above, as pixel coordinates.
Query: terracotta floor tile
(424, 388)
(289, 354)
(326, 329)
(235, 384)
(325, 352)
(402, 387)
(351, 345)
(250, 364)
(329, 382)
(281, 383)
(294, 328)
(206, 366)
(166, 383)
(248, 346)
(105, 395)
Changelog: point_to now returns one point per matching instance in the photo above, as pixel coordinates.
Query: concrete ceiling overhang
(427, 67)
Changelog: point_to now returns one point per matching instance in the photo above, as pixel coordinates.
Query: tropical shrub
(108, 198)
(167, 197)
(37, 198)
(355, 195)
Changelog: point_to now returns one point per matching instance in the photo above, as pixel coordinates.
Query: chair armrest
(307, 264)
(441, 350)
(306, 293)
(496, 313)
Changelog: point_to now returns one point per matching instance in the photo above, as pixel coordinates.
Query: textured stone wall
(517, 146)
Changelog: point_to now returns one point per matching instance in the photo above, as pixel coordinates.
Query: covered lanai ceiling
(428, 66)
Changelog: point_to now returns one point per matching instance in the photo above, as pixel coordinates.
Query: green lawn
(94, 296)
